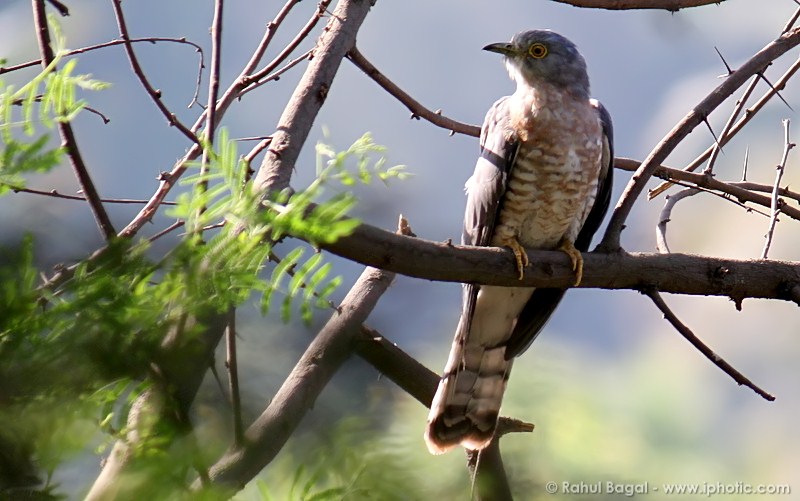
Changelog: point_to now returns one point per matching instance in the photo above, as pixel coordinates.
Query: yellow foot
(574, 254)
(520, 255)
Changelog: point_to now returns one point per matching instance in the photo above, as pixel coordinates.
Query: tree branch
(675, 273)
(295, 123)
(670, 5)
(110, 43)
(776, 204)
(756, 64)
(729, 132)
(415, 107)
(332, 346)
(744, 192)
(68, 140)
(155, 95)
(290, 47)
(702, 347)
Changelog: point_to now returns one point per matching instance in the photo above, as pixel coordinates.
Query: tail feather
(467, 402)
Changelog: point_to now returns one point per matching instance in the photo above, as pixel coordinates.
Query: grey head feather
(561, 65)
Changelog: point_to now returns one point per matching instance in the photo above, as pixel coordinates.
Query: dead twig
(665, 217)
(776, 203)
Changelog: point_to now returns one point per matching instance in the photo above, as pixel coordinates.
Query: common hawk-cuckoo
(542, 181)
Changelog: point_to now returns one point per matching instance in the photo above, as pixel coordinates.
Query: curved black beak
(503, 48)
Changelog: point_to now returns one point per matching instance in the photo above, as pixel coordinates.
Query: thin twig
(56, 194)
(169, 229)
(330, 348)
(702, 347)
(276, 75)
(611, 238)
(738, 190)
(155, 95)
(68, 140)
(790, 23)
(776, 205)
(211, 111)
(60, 7)
(291, 46)
(416, 108)
(169, 179)
(111, 43)
(737, 109)
(665, 217)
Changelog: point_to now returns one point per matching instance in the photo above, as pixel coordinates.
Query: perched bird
(542, 181)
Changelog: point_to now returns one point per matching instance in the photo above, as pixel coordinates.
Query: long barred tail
(467, 402)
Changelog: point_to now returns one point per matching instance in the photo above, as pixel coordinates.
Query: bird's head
(542, 55)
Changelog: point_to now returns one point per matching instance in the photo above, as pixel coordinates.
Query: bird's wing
(485, 190)
(544, 301)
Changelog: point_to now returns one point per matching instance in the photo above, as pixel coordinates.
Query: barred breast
(553, 182)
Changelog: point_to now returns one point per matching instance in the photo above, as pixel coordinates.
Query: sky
(648, 67)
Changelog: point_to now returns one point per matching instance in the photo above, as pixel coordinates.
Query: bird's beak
(503, 48)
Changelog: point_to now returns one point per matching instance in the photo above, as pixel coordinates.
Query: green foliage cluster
(76, 352)
(47, 98)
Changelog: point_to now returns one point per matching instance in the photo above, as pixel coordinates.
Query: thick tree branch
(756, 64)
(332, 346)
(309, 95)
(670, 5)
(674, 273)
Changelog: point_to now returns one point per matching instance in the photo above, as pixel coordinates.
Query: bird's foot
(519, 254)
(567, 247)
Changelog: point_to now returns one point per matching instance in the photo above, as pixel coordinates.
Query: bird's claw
(575, 256)
(520, 256)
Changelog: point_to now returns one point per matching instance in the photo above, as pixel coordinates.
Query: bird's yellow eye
(537, 50)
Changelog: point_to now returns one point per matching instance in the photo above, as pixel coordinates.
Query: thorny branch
(776, 204)
(756, 64)
(730, 129)
(743, 191)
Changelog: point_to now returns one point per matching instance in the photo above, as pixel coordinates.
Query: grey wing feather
(544, 301)
(485, 189)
